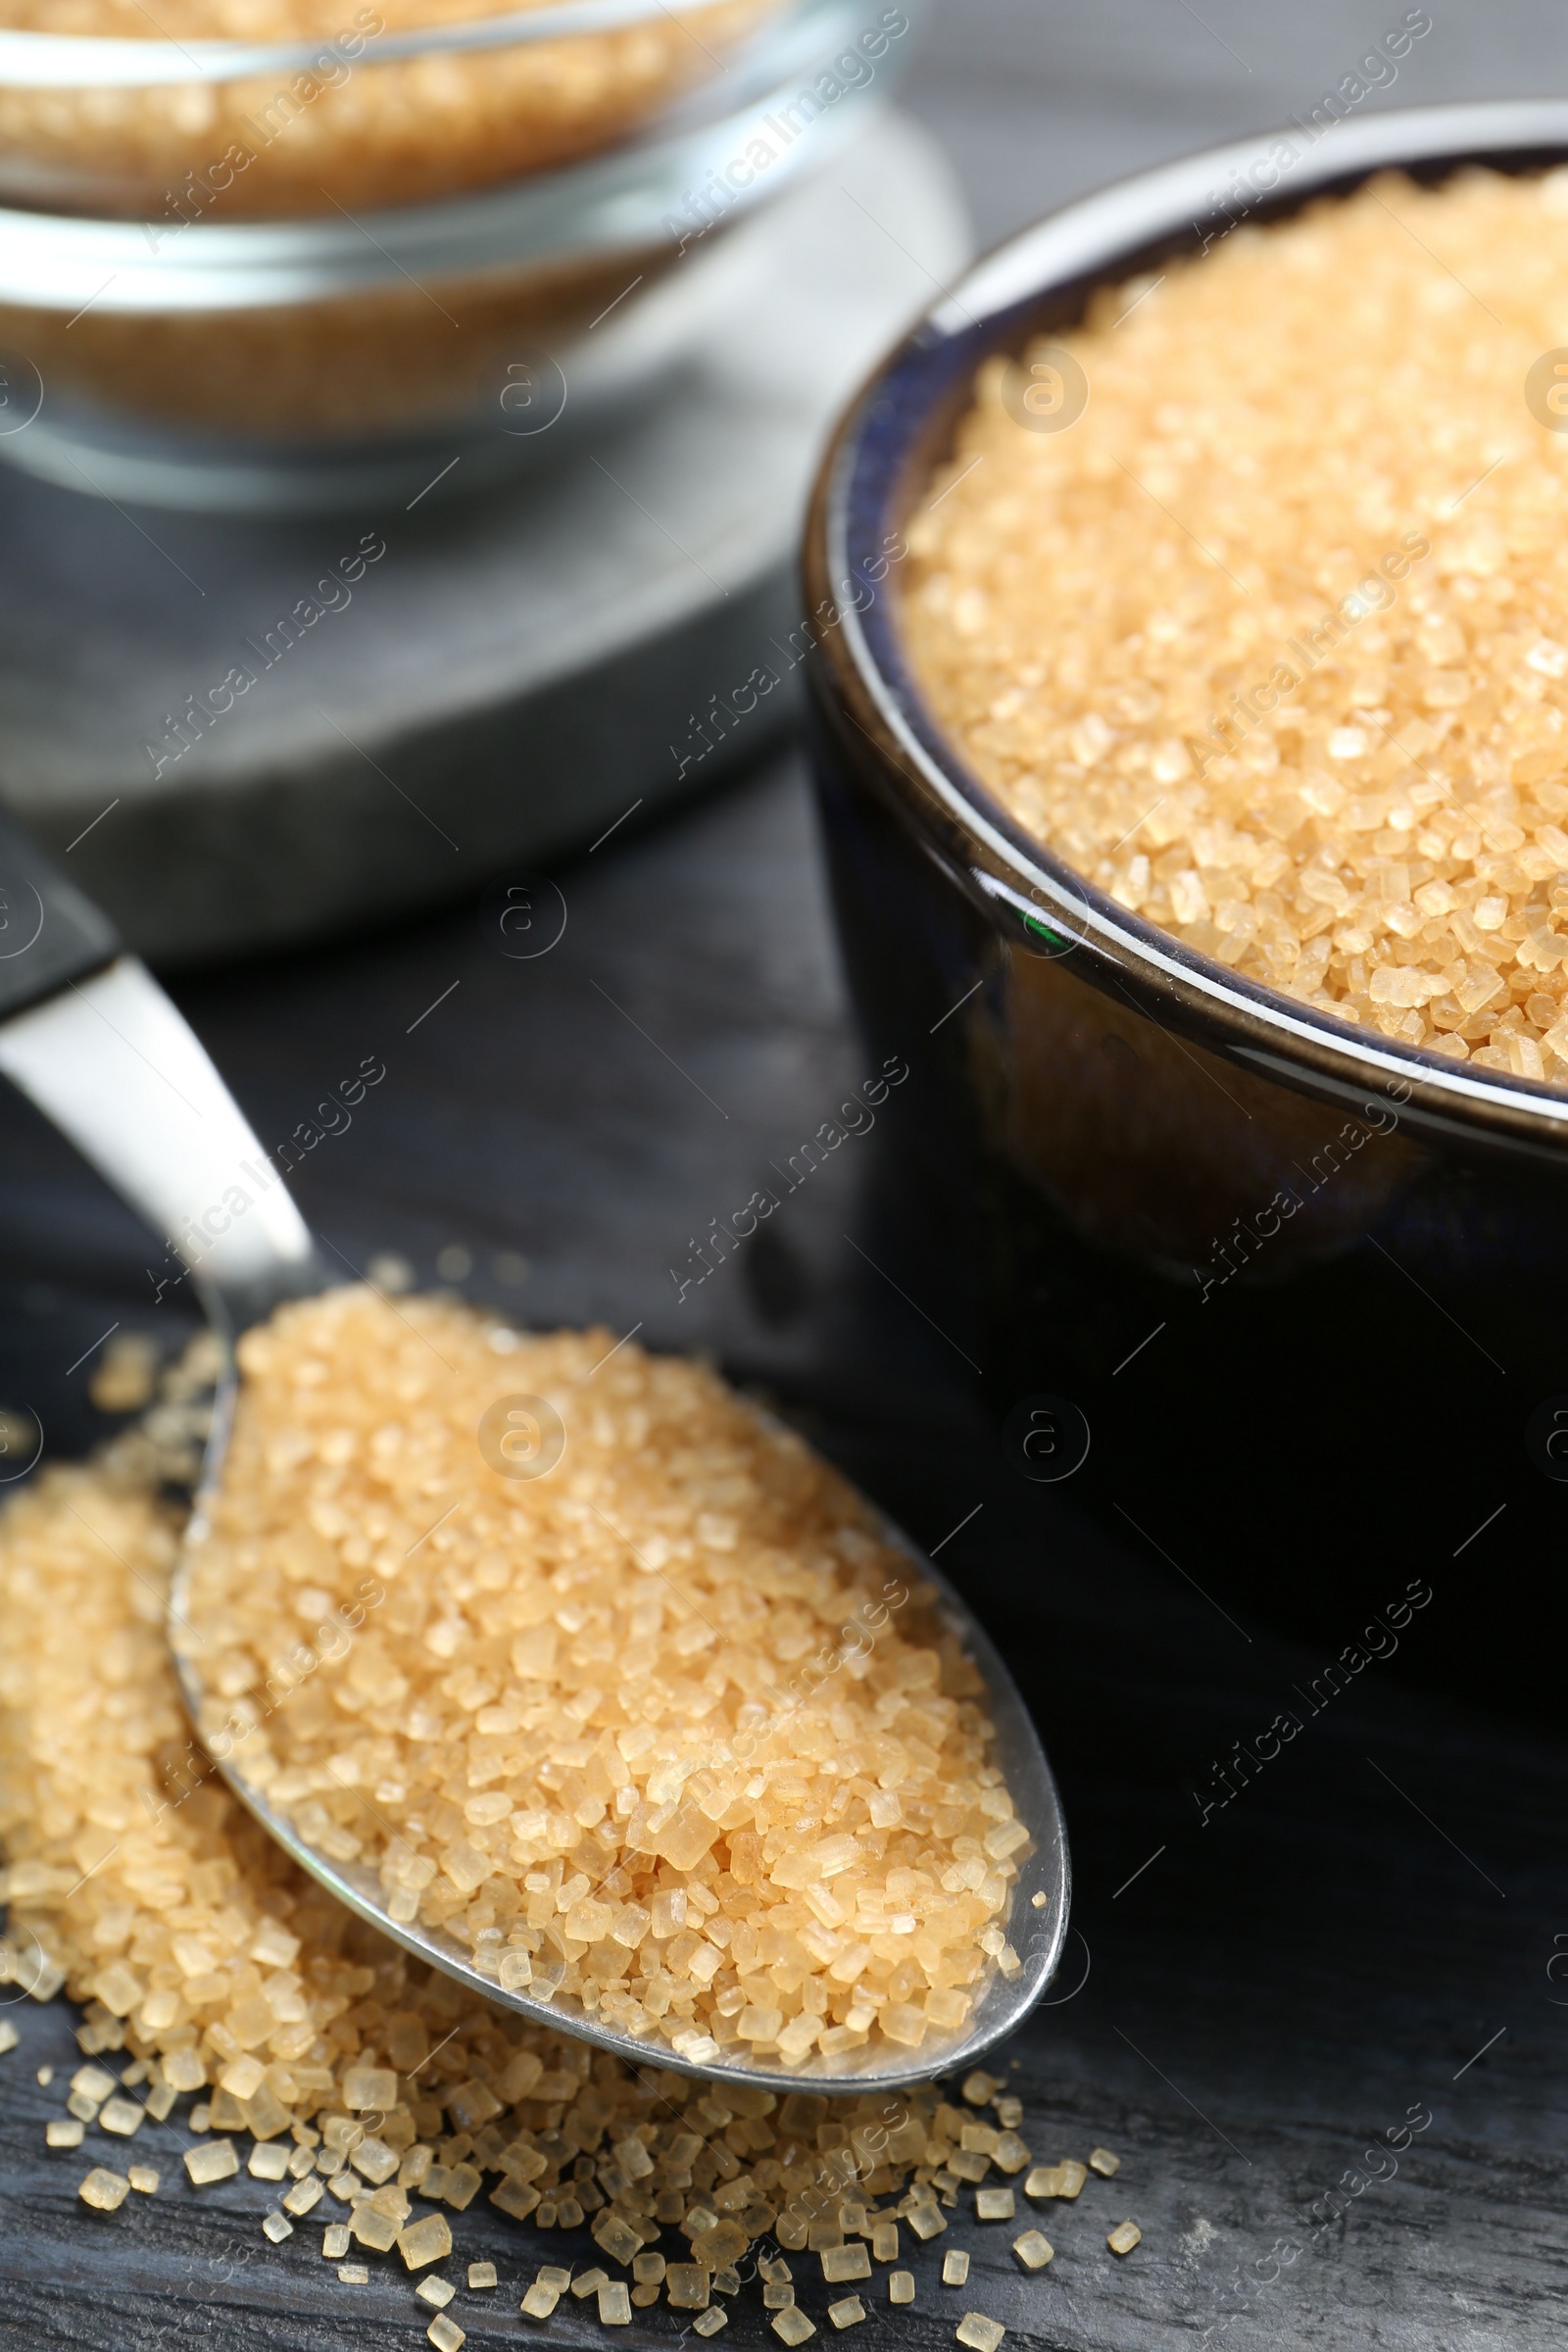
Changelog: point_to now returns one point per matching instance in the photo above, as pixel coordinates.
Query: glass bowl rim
(92, 60)
(603, 204)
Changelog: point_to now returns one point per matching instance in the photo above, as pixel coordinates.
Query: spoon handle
(88, 1035)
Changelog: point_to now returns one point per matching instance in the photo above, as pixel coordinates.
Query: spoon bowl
(90, 1035)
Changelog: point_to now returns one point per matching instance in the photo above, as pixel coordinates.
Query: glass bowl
(254, 364)
(1301, 1282)
(375, 105)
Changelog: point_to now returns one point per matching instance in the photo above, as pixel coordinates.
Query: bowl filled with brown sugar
(1193, 722)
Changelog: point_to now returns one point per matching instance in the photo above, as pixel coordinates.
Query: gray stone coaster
(519, 670)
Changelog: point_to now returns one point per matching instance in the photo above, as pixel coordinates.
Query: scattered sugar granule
(686, 2285)
(954, 2266)
(768, 1544)
(123, 2117)
(481, 2274)
(711, 2321)
(1009, 2155)
(9, 2039)
(901, 2286)
(374, 2229)
(302, 2197)
(555, 2276)
(885, 2242)
(144, 2179)
(46, 2074)
(1055, 2179)
(978, 2333)
(777, 2295)
(354, 2273)
(121, 1381)
(268, 2160)
(588, 2282)
(93, 2083)
(160, 2100)
(216, 2160)
(927, 2222)
(278, 2227)
(648, 2269)
(427, 2240)
(1294, 685)
(335, 2241)
(540, 2301)
(437, 2292)
(1124, 2237)
(792, 2327)
(105, 2190)
(445, 2333)
(1034, 2249)
(614, 2304)
(842, 2263)
(1101, 2161)
(994, 2204)
(64, 2132)
(847, 2312)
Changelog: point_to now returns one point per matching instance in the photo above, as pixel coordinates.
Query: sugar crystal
(216, 2160)
(429, 2240)
(105, 2190)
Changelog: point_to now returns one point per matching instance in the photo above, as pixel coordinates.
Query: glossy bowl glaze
(1302, 1283)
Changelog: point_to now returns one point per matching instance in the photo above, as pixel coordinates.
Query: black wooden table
(1325, 2027)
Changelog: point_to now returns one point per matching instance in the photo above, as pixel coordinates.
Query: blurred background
(514, 818)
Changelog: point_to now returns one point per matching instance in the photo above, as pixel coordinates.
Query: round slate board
(521, 668)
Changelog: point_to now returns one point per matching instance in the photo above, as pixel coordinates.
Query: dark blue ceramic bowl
(1304, 1284)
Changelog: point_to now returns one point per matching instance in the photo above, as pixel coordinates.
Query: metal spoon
(91, 1038)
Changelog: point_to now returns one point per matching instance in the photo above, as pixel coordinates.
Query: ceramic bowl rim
(1025, 889)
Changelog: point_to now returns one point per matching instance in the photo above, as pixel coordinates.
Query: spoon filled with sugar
(557, 1662)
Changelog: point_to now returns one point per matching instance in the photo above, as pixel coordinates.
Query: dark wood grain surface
(1364, 1938)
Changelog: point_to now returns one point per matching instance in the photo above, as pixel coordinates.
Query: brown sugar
(1271, 643)
(349, 127)
(669, 1734)
(206, 1960)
